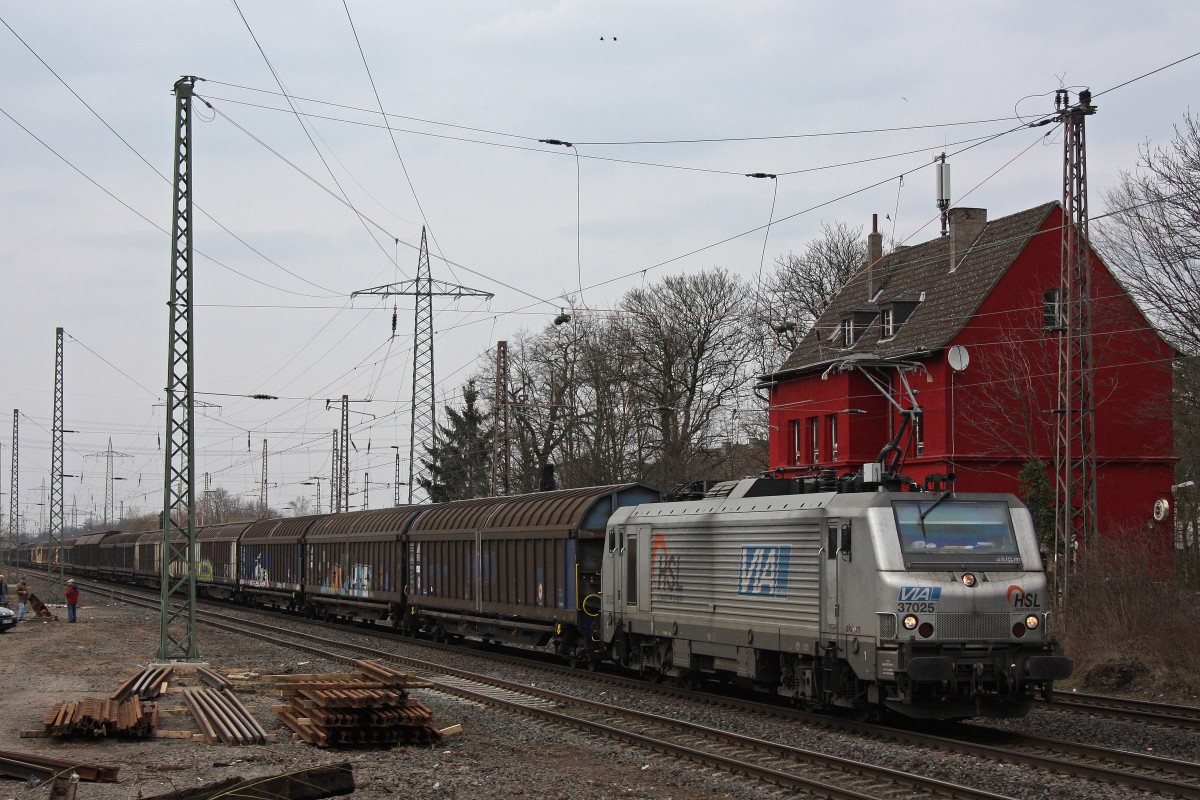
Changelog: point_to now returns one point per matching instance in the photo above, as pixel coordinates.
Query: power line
(145, 161)
(391, 135)
(893, 129)
(139, 214)
(299, 118)
(1146, 75)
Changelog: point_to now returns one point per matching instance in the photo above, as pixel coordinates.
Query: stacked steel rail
(106, 717)
(371, 707)
(222, 717)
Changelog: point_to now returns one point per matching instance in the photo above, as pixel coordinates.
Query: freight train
(868, 595)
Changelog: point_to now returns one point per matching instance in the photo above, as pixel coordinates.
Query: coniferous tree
(459, 464)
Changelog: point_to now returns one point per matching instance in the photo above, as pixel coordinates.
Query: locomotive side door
(830, 583)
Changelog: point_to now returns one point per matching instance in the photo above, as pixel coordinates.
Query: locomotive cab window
(942, 530)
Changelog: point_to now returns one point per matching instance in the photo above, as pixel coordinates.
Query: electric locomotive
(928, 604)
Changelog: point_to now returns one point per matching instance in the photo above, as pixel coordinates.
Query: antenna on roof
(943, 191)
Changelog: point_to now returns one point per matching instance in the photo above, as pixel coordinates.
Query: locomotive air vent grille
(887, 626)
(973, 626)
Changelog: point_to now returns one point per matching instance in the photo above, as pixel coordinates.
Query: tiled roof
(951, 298)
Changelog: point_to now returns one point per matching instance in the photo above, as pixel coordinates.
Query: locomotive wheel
(652, 674)
(866, 714)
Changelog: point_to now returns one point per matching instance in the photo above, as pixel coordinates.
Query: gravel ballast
(496, 756)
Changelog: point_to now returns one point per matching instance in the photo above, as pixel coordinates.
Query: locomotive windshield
(942, 531)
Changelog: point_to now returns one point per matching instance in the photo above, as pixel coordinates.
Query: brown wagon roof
(286, 528)
(380, 520)
(123, 538)
(562, 509)
(221, 531)
(950, 297)
(95, 537)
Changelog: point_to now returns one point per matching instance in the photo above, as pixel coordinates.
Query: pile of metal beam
(371, 707)
(222, 717)
(147, 684)
(131, 718)
(14, 764)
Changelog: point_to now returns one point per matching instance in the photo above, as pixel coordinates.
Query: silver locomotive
(928, 604)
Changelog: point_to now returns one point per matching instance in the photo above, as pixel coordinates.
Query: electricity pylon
(424, 410)
(109, 455)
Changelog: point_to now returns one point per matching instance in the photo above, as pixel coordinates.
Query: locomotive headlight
(909, 622)
(969, 580)
(1032, 622)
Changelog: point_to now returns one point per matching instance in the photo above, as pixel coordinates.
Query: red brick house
(991, 288)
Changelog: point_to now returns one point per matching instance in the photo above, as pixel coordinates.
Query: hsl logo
(664, 567)
(1019, 598)
(920, 594)
(764, 570)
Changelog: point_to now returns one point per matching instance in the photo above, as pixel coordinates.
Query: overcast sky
(470, 88)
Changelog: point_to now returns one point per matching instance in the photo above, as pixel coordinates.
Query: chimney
(874, 254)
(966, 225)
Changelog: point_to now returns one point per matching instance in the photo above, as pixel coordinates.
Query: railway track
(791, 768)
(777, 764)
(774, 763)
(1126, 708)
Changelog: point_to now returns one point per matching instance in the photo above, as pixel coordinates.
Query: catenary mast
(1076, 521)
(177, 634)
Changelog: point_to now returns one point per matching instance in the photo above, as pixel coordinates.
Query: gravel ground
(496, 755)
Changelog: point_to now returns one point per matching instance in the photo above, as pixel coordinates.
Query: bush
(1125, 629)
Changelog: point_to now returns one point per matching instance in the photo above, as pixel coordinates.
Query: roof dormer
(856, 323)
(895, 311)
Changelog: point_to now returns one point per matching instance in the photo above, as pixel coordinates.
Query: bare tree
(790, 299)
(1152, 238)
(543, 410)
(299, 506)
(606, 445)
(690, 350)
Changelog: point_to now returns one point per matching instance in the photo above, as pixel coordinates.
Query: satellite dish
(958, 358)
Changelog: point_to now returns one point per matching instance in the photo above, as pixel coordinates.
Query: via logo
(920, 594)
(1019, 598)
(764, 570)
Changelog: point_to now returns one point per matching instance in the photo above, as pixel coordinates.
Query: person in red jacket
(72, 598)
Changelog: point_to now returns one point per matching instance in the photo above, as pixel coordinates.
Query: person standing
(72, 597)
(3, 591)
(22, 597)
